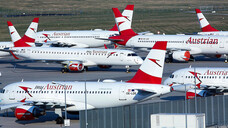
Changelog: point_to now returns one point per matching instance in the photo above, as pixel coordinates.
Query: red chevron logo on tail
(155, 61)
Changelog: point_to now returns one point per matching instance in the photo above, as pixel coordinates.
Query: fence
(138, 115)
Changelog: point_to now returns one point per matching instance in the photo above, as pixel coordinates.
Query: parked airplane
(179, 47)
(72, 59)
(31, 99)
(206, 28)
(29, 37)
(82, 38)
(206, 80)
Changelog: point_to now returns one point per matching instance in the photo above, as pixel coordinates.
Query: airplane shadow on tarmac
(170, 98)
(50, 116)
(16, 66)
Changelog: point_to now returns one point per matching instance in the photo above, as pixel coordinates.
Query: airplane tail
(204, 24)
(123, 23)
(150, 72)
(30, 34)
(128, 13)
(16, 38)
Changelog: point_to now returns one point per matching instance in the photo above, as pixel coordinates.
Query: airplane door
(121, 56)
(11, 96)
(221, 43)
(122, 92)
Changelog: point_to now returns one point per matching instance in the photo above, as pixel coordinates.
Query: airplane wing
(7, 50)
(45, 104)
(109, 39)
(177, 49)
(144, 94)
(13, 105)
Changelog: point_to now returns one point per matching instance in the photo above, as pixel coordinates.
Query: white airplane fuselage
(217, 33)
(208, 76)
(88, 56)
(99, 94)
(195, 44)
(83, 38)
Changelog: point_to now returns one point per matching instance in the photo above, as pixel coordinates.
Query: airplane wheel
(167, 60)
(63, 70)
(59, 120)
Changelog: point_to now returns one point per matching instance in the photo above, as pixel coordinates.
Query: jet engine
(75, 66)
(26, 112)
(105, 66)
(181, 55)
(199, 93)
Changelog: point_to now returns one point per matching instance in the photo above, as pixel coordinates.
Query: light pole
(186, 111)
(64, 85)
(86, 119)
(195, 75)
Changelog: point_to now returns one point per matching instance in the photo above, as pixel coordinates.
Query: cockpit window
(2, 90)
(132, 54)
(171, 76)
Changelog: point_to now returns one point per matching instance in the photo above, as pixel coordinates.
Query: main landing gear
(64, 70)
(59, 119)
(226, 60)
(128, 68)
(169, 58)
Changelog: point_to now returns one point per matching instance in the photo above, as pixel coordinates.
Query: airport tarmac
(15, 71)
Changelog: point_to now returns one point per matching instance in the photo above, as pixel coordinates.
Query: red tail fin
(128, 13)
(123, 23)
(204, 24)
(151, 70)
(16, 39)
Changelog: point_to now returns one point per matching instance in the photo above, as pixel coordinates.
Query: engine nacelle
(199, 93)
(105, 66)
(181, 55)
(75, 66)
(26, 112)
(182, 88)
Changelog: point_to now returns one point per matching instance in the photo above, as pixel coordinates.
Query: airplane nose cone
(167, 82)
(139, 60)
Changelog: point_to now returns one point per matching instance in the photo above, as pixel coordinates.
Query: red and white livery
(207, 80)
(72, 59)
(179, 47)
(30, 97)
(205, 26)
(29, 37)
(82, 38)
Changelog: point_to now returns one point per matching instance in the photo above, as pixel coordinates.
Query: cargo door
(121, 56)
(11, 95)
(122, 93)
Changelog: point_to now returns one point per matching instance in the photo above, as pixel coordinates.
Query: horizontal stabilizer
(109, 39)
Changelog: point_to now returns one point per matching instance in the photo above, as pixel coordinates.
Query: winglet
(204, 24)
(23, 100)
(14, 55)
(198, 85)
(105, 46)
(150, 72)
